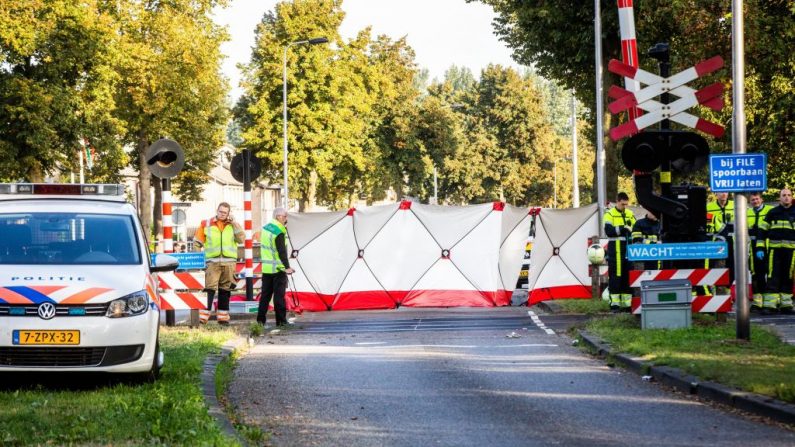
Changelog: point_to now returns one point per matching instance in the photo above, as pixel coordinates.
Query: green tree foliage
(353, 107)
(56, 88)
(557, 38)
(326, 96)
(508, 147)
(171, 86)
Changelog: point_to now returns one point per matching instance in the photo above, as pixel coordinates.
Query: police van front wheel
(154, 373)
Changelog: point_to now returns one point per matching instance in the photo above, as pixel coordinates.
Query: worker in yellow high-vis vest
(275, 267)
(758, 262)
(618, 223)
(722, 211)
(219, 236)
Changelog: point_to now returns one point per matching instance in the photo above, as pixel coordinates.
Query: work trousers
(618, 269)
(758, 277)
(273, 286)
(779, 281)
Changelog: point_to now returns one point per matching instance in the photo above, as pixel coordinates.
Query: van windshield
(68, 238)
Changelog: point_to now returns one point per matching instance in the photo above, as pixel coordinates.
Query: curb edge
(214, 407)
(742, 400)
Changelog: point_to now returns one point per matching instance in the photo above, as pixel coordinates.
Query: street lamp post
(555, 173)
(315, 41)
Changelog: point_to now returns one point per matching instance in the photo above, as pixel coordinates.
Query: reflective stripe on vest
(269, 255)
(218, 243)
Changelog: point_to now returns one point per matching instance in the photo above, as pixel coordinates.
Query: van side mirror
(163, 263)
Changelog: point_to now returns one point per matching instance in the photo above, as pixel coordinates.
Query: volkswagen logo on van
(46, 311)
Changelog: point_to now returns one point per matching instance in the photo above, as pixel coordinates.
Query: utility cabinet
(665, 304)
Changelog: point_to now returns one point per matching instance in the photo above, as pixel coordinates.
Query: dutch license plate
(53, 337)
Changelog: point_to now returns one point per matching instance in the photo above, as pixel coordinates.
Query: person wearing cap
(275, 267)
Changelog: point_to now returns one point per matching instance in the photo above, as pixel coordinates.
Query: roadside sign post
(739, 173)
(165, 159)
(245, 168)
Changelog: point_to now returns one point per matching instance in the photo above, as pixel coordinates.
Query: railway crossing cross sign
(709, 96)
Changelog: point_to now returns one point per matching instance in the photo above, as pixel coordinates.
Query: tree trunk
(302, 202)
(144, 182)
(312, 192)
(35, 174)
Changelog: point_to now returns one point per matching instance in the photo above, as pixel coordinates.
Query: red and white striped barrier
(705, 304)
(185, 290)
(255, 268)
(629, 47)
(697, 277)
(181, 280)
(171, 300)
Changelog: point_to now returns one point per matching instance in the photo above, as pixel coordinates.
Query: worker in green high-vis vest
(275, 267)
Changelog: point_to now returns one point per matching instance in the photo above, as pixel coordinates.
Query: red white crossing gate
(185, 290)
(709, 96)
(697, 277)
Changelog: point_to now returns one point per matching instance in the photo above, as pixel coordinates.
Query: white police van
(76, 286)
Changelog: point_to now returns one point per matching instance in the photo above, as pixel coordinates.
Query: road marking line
(539, 323)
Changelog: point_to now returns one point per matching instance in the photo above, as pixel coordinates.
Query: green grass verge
(170, 411)
(583, 306)
(710, 351)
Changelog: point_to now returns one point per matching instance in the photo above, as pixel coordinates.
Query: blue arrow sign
(738, 172)
(677, 251)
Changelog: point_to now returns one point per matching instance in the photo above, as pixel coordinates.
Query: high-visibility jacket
(219, 243)
(720, 214)
(269, 253)
(618, 224)
(755, 218)
(778, 228)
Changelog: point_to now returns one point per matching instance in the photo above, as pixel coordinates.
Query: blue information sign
(738, 172)
(187, 261)
(677, 251)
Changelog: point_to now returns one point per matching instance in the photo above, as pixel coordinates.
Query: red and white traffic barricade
(182, 290)
(697, 277)
(185, 290)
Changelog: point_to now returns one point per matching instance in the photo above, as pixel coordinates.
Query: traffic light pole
(738, 147)
(248, 248)
(662, 53)
(168, 243)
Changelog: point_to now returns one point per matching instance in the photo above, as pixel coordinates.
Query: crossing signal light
(646, 151)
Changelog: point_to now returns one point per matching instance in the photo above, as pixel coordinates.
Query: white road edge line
(539, 323)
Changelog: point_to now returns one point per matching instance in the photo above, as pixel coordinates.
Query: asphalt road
(784, 324)
(483, 377)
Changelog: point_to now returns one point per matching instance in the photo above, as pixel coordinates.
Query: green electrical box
(665, 304)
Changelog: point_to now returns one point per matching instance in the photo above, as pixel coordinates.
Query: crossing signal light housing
(646, 151)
